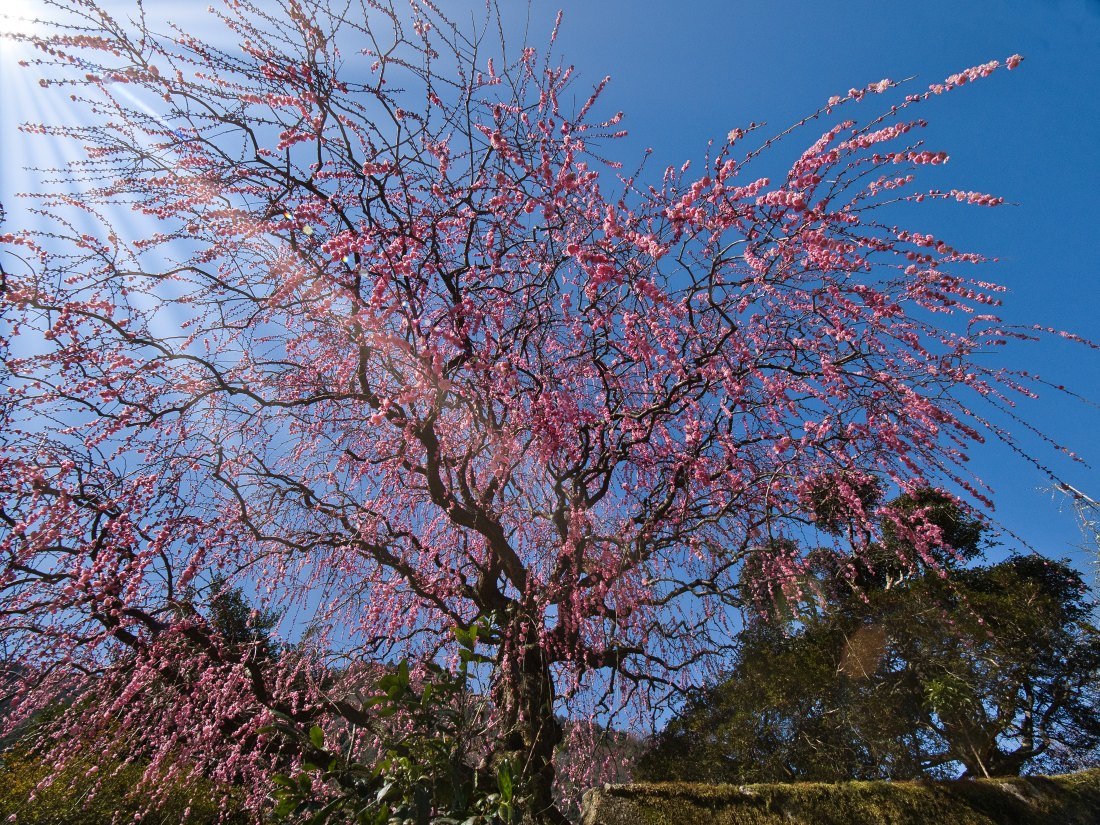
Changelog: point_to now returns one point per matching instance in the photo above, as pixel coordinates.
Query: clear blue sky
(687, 72)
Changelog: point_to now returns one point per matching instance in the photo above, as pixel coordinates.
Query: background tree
(886, 673)
(402, 355)
(237, 622)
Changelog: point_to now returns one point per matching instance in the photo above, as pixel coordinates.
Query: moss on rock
(1057, 800)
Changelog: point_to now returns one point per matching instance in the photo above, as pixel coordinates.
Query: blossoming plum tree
(388, 352)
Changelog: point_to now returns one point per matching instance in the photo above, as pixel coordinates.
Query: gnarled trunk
(530, 731)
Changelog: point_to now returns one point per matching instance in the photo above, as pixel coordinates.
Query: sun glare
(22, 101)
(20, 16)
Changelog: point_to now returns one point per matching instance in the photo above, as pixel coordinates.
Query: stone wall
(1073, 799)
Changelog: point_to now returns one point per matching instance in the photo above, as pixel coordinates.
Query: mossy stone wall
(1057, 800)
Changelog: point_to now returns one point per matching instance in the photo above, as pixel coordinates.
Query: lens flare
(20, 17)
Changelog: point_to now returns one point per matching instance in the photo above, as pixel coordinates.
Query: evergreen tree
(877, 671)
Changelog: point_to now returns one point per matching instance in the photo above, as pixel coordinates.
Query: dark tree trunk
(530, 730)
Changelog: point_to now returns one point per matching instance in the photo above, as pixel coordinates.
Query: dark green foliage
(422, 773)
(990, 670)
(829, 508)
(237, 622)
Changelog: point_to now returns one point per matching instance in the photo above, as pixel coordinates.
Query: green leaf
(384, 792)
(374, 816)
(284, 807)
(466, 638)
(322, 815)
(422, 800)
(504, 781)
(477, 658)
(387, 682)
(317, 737)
